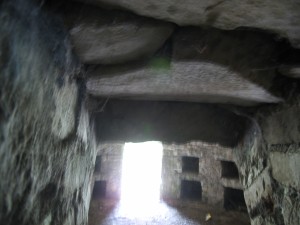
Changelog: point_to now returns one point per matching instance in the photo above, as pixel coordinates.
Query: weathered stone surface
(110, 37)
(209, 174)
(261, 188)
(290, 71)
(250, 155)
(111, 168)
(184, 81)
(291, 207)
(252, 55)
(277, 16)
(138, 121)
(286, 168)
(276, 150)
(281, 126)
(65, 103)
(44, 179)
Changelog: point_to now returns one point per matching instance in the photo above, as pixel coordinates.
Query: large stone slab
(109, 37)
(282, 125)
(259, 190)
(183, 81)
(278, 16)
(291, 207)
(253, 55)
(47, 149)
(286, 168)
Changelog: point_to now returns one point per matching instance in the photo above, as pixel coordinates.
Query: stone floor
(109, 212)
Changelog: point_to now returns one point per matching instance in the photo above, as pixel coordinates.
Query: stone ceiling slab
(185, 81)
(278, 16)
(110, 37)
(208, 66)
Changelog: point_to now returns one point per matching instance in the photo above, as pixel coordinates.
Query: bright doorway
(141, 177)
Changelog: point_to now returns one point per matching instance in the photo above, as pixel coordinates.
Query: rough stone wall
(111, 155)
(46, 147)
(209, 173)
(269, 163)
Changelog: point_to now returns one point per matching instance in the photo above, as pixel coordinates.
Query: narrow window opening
(234, 199)
(229, 170)
(190, 164)
(191, 190)
(99, 190)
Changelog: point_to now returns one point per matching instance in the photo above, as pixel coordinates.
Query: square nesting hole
(234, 199)
(191, 190)
(190, 164)
(229, 170)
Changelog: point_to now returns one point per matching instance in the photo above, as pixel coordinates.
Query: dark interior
(99, 190)
(190, 164)
(191, 190)
(229, 170)
(234, 199)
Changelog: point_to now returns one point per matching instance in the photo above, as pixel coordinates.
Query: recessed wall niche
(99, 190)
(190, 164)
(229, 170)
(234, 199)
(191, 190)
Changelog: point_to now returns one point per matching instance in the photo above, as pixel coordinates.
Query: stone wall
(209, 174)
(269, 163)
(110, 171)
(46, 144)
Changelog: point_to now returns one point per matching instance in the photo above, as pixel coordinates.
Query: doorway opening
(141, 176)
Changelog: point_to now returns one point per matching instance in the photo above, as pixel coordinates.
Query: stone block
(274, 15)
(183, 81)
(110, 37)
(261, 188)
(63, 123)
(286, 168)
(282, 126)
(291, 208)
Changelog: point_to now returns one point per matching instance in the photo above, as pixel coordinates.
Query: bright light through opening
(141, 177)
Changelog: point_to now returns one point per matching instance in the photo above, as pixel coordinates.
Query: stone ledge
(232, 183)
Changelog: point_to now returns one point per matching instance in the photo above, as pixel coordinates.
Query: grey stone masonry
(209, 174)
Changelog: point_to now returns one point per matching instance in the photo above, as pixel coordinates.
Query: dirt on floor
(112, 212)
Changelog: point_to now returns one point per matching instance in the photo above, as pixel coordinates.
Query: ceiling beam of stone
(186, 81)
(206, 66)
(108, 36)
(278, 16)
